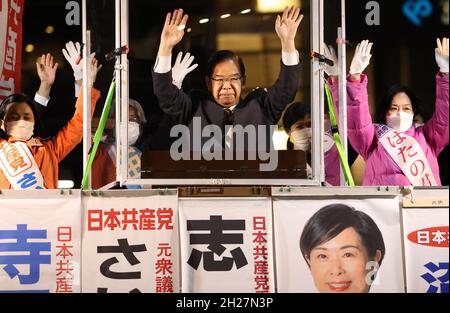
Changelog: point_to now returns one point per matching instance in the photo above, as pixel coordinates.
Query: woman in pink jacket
(397, 153)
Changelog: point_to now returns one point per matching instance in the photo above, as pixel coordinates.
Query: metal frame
(122, 92)
(86, 90)
(342, 56)
(342, 192)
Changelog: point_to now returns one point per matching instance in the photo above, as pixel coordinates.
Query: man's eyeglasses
(221, 80)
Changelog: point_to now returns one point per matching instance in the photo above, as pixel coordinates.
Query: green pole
(337, 138)
(99, 133)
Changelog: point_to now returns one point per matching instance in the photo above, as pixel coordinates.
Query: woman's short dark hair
(295, 112)
(331, 220)
(223, 55)
(21, 98)
(385, 102)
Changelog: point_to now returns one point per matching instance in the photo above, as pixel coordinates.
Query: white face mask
(302, 139)
(22, 130)
(400, 121)
(133, 132)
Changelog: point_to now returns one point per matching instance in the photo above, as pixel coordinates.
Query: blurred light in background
(29, 48)
(246, 11)
(225, 15)
(49, 29)
(271, 6)
(204, 20)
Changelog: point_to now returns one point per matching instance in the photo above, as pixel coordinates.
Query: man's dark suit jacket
(260, 107)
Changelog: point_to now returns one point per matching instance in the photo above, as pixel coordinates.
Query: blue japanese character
(31, 257)
(28, 180)
(431, 279)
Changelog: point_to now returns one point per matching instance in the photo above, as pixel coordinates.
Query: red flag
(11, 13)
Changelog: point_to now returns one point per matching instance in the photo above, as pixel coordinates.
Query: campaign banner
(40, 242)
(11, 13)
(226, 245)
(130, 243)
(426, 249)
(338, 245)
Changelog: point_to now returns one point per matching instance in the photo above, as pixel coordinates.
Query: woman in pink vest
(397, 152)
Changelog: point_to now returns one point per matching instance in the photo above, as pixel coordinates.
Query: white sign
(226, 245)
(40, 242)
(338, 245)
(426, 249)
(130, 244)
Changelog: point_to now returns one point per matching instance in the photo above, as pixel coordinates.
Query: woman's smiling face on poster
(339, 265)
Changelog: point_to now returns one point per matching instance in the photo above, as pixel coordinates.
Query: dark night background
(403, 53)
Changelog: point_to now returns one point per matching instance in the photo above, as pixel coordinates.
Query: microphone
(321, 58)
(119, 51)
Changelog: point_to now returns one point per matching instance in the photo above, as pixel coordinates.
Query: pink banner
(11, 13)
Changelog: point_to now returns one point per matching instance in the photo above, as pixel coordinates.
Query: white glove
(330, 53)
(362, 57)
(181, 68)
(442, 55)
(73, 55)
(302, 139)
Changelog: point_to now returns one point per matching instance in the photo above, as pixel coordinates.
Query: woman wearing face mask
(104, 166)
(297, 124)
(397, 153)
(27, 161)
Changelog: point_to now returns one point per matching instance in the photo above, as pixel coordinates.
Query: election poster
(426, 247)
(130, 243)
(226, 245)
(40, 242)
(330, 245)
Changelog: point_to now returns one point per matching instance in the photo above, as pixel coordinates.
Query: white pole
(317, 98)
(86, 91)
(117, 74)
(124, 90)
(342, 55)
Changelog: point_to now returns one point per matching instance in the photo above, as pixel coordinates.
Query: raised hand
(330, 53)
(73, 55)
(172, 32)
(442, 54)
(286, 27)
(94, 68)
(362, 57)
(46, 70)
(181, 68)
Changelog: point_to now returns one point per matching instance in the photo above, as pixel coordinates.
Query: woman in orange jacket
(26, 160)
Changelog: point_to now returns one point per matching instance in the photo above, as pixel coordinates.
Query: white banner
(324, 245)
(226, 245)
(426, 249)
(131, 244)
(40, 242)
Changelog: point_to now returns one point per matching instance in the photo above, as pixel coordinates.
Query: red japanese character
(147, 219)
(259, 223)
(112, 220)
(165, 218)
(129, 217)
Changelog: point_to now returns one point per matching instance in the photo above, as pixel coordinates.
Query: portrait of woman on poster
(343, 248)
